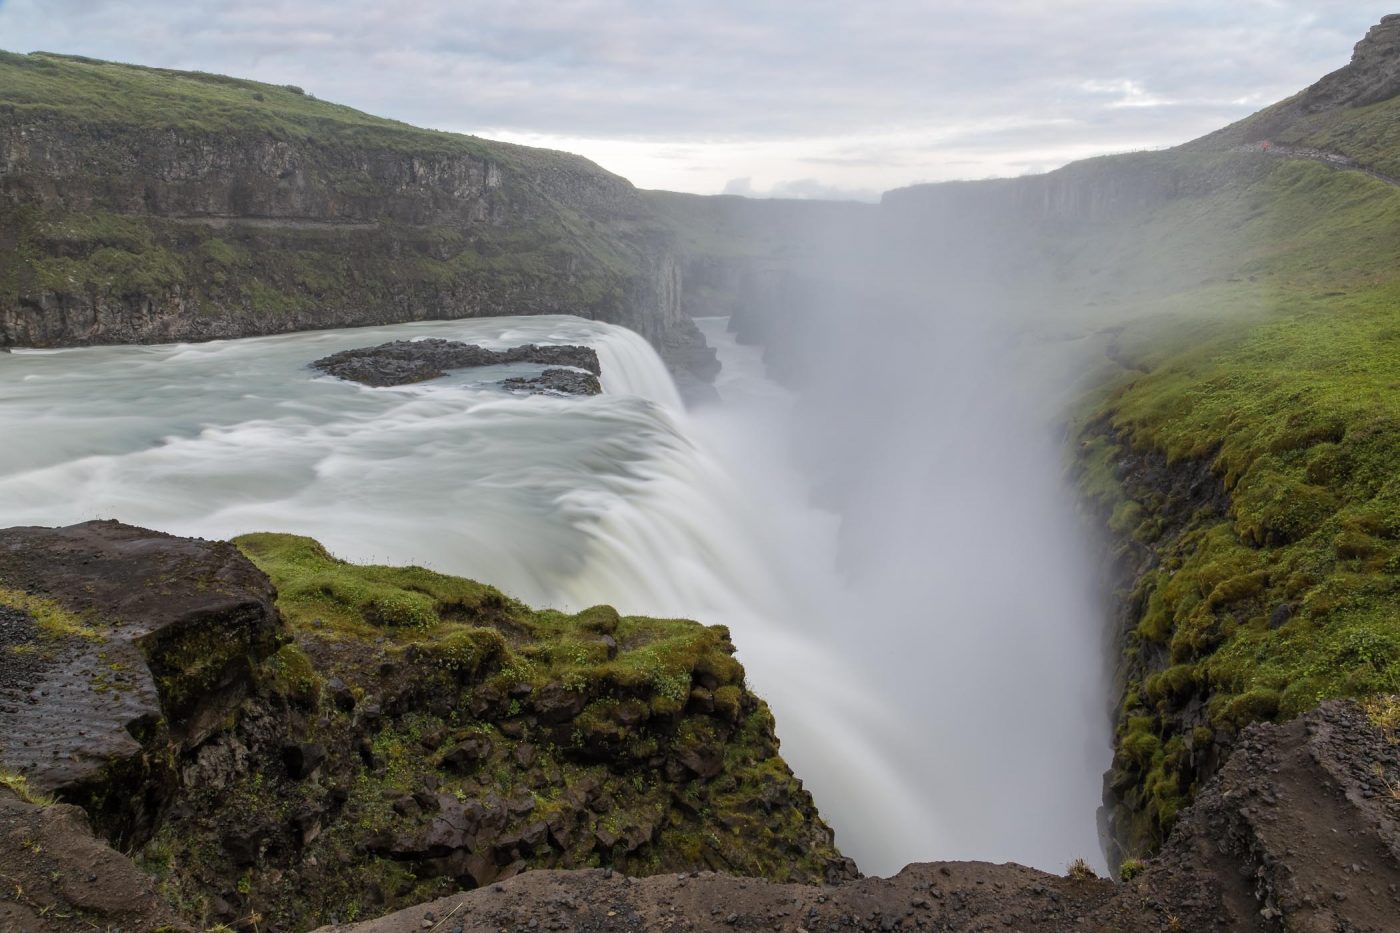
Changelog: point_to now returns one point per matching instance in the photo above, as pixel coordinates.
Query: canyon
(1203, 333)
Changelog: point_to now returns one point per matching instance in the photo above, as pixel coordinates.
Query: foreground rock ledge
(337, 777)
(377, 738)
(1298, 832)
(120, 649)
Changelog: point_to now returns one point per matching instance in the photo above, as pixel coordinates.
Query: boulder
(463, 757)
(302, 759)
(143, 644)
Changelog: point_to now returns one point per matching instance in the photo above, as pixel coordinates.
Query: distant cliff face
(1373, 75)
(139, 205)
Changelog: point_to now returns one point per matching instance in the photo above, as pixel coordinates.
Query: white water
(621, 498)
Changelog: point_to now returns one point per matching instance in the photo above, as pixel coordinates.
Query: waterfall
(621, 498)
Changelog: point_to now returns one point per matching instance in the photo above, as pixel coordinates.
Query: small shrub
(1079, 870)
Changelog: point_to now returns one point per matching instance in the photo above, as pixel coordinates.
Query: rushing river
(621, 498)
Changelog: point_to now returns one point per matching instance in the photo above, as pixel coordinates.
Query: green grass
(1285, 377)
(469, 628)
(20, 786)
(100, 93)
(52, 619)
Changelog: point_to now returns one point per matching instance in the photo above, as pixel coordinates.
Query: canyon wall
(140, 205)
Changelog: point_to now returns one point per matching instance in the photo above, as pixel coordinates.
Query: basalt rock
(557, 382)
(59, 876)
(133, 648)
(1372, 75)
(402, 362)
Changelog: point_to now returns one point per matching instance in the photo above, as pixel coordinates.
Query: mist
(929, 377)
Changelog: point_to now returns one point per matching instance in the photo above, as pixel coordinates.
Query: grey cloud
(763, 70)
(802, 189)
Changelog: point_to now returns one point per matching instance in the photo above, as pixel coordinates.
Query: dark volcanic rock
(60, 877)
(406, 361)
(557, 382)
(149, 644)
(1372, 75)
(303, 758)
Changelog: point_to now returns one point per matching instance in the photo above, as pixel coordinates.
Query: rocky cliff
(142, 205)
(1297, 833)
(355, 741)
(366, 739)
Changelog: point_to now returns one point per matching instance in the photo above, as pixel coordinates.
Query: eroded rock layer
(142, 205)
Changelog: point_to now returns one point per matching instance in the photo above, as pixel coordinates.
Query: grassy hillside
(1278, 373)
(100, 93)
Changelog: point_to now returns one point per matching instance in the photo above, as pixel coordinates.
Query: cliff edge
(356, 740)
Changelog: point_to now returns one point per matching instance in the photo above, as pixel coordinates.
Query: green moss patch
(424, 732)
(52, 619)
(1278, 385)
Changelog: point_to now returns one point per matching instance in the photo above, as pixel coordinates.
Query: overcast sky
(795, 97)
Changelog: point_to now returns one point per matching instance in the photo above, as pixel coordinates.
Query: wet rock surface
(402, 362)
(557, 382)
(127, 643)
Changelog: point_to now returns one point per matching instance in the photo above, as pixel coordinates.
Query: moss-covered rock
(1259, 571)
(422, 733)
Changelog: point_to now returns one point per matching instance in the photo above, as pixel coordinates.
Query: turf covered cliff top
(102, 93)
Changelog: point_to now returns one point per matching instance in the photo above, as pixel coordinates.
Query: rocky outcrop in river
(402, 362)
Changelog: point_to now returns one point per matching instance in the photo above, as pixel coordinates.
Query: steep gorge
(1216, 319)
(1229, 311)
